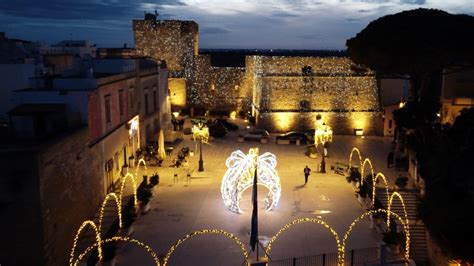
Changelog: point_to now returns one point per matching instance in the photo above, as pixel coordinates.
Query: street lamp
(200, 132)
(322, 135)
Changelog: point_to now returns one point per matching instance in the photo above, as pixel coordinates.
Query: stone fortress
(283, 91)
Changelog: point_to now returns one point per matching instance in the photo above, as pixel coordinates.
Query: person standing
(306, 171)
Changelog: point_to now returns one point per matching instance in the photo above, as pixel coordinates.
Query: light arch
(362, 169)
(76, 238)
(202, 232)
(305, 220)
(355, 149)
(140, 162)
(374, 183)
(102, 207)
(122, 186)
(123, 239)
(358, 219)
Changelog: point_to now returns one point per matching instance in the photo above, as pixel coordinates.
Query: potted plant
(354, 176)
(393, 239)
(129, 216)
(144, 196)
(312, 152)
(240, 138)
(155, 179)
(401, 182)
(108, 253)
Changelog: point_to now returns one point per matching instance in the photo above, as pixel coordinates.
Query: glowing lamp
(233, 115)
(359, 132)
(175, 114)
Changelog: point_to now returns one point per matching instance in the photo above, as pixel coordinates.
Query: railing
(357, 257)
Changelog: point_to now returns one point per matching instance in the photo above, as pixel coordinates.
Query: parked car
(200, 119)
(257, 134)
(228, 125)
(292, 136)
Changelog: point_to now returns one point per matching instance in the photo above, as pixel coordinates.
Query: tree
(416, 44)
(446, 158)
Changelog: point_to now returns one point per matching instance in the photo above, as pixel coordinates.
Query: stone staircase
(88, 236)
(418, 247)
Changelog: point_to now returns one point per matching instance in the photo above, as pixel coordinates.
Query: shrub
(144, 195)
(354, 175)
(155, 179)
(217, 130)
(401, 181)
(393, 237)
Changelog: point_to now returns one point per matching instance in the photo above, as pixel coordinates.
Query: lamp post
(200, 132)
(322, 135)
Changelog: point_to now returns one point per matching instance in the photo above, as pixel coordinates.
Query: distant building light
(401, 104)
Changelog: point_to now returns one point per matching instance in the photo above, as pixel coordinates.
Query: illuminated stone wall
(218, 87)
(346, 96)
(172, 40)
(268, 85)
(177, 87)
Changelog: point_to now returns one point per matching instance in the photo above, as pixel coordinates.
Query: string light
(305, 220)
(202, 132)
(239, 177)
(367, 161)
(370, 212)
(407, 222)
(134, 184)
(374, 181)
(350, 157)
(102, 208)
(76, 238)
(140, 162)
(322, 134)
(207, 231)
(147, 248)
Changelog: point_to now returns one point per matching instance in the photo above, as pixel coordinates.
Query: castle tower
(174, 41)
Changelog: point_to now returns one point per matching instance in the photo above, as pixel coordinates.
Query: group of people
(177, 123)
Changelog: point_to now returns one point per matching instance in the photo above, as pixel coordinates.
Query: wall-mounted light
(359, 132)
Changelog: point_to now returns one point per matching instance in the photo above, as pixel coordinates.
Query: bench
(340, 168)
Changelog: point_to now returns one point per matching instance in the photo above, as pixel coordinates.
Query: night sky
(277, 24)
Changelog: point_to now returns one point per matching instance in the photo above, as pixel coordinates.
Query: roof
(38, 108)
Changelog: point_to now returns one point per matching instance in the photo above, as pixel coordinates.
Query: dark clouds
(277, 24)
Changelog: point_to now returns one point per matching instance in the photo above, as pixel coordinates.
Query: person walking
(306, 171)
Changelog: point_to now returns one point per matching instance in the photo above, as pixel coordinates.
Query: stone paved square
(181, 208)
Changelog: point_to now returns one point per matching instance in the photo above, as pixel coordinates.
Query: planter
(191, 153)
(394, 248)
(298, 142)
(145, 208)
(263, 140)
(129, 231)
(240, 139)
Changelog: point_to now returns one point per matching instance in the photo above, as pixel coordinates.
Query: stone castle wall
(268, 85)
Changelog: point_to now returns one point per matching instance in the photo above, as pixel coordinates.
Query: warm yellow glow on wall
(283, 121)
(177, 88)
(360, 120)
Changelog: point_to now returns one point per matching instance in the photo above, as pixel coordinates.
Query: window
(121, 102)
(154, 101)
(107, 109)
(146, 103)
